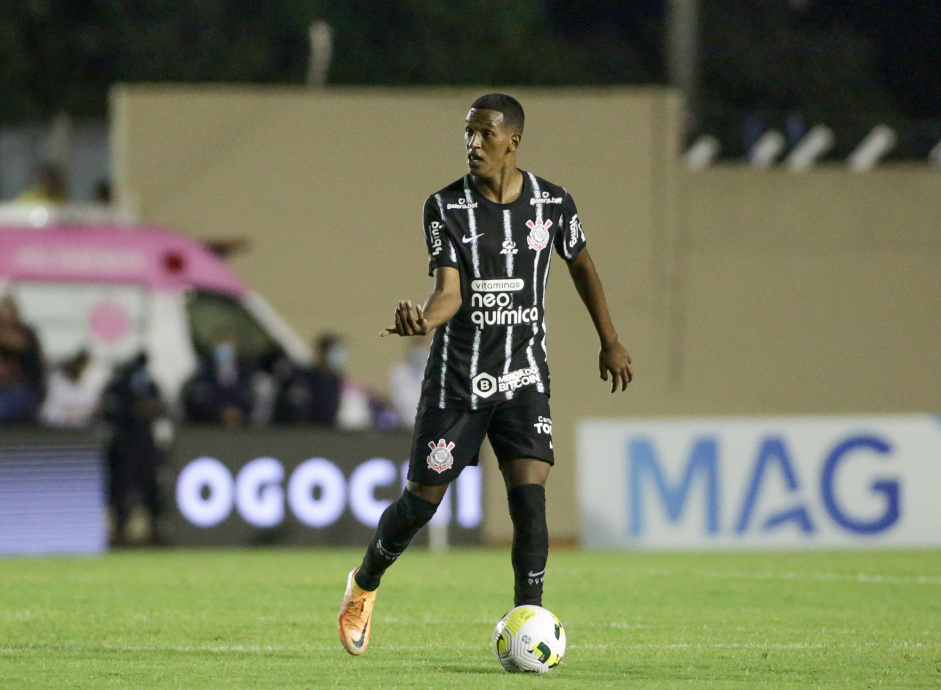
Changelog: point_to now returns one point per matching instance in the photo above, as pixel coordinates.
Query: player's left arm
(613, 358)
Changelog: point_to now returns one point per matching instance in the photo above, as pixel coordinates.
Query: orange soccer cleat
(355, 616)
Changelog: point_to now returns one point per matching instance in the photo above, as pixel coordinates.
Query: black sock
(398, 524)
(530, 541)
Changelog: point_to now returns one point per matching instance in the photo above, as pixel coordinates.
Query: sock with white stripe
(398, 524)
(530, 542)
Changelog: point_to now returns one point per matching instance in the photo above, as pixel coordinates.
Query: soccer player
(490, 238)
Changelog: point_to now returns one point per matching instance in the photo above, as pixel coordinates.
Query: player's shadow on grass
(476, 670)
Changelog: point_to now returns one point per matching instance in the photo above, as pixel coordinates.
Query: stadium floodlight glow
(702, 153)
(934, 156)
(815, 144)
(767, 149)
(877, 144)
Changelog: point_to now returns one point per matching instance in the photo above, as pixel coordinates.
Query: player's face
(490, 143)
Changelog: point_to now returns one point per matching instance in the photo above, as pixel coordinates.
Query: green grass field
(267, 618)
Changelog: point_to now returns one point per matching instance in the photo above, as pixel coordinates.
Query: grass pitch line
(791, 575)
(770, 645)
(267, 649)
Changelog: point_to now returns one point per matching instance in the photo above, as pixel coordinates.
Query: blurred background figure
(49, 187)
(405, 380)
(132, 404)
(101, 194)
(274, 373)
(221, 390)
(22, 373)
(71, 395)
(313, 396)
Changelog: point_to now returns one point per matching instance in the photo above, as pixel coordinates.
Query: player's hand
(409, 320)
(614, 359)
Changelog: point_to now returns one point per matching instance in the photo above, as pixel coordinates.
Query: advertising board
(52, 493)
(802, 482)
(298, 486)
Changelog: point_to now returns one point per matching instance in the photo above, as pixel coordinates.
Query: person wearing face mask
(313, 395)
(405, 380)
(221, 390)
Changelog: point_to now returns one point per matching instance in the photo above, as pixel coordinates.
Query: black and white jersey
(494, 348)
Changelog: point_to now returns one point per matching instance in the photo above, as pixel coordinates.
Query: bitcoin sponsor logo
(517, 379)
(485, 385)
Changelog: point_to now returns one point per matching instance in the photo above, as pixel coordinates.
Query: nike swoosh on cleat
(541, 572)
(359, 643)
(465, 239)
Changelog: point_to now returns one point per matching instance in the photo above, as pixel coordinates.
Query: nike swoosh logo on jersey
(541, 572)
(359, 643)
(467, 239)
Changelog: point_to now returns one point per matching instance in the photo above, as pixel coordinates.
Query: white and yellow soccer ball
(529, 639)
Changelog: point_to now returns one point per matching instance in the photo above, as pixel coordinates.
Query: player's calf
(530, 549)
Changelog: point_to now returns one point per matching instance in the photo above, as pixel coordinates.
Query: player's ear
(515, 141)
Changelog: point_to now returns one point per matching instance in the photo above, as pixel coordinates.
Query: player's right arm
(443, 303)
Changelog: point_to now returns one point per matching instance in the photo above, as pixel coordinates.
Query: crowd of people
(227, 389)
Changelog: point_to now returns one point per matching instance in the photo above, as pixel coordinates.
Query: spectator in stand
(22, 374)
(48, 189)
(131, 403)
(405, 380)
(274, 371)
(221, 390)
(312, 396)
(71, 395)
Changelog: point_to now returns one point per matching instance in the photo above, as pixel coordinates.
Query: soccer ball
(529, 639)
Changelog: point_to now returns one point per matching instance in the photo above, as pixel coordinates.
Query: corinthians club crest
(440, 458)
(538, 234)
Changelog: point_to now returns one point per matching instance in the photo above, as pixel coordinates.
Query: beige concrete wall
(810, 293)
(736, 291)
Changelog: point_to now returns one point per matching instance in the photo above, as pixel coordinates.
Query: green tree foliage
(434, 42)
(62, 55)
(764, 57)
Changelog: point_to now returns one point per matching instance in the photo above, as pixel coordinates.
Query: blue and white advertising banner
(781, 482)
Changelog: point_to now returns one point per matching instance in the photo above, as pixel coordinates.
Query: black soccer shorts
(447, 440)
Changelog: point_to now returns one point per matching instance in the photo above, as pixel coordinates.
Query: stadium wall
(737, 292)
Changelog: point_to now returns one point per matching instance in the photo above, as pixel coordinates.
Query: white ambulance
(84, 277)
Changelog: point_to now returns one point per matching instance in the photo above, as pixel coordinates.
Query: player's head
(513, 116)
(492, 133)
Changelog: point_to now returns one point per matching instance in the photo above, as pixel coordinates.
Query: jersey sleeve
(440, 248)
(570, 239)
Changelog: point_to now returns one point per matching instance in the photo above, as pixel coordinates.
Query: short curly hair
(512, 111)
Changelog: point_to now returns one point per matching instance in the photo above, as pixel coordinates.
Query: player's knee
(426, 492)
(527, 503)
(416, 509)
(523, 471)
